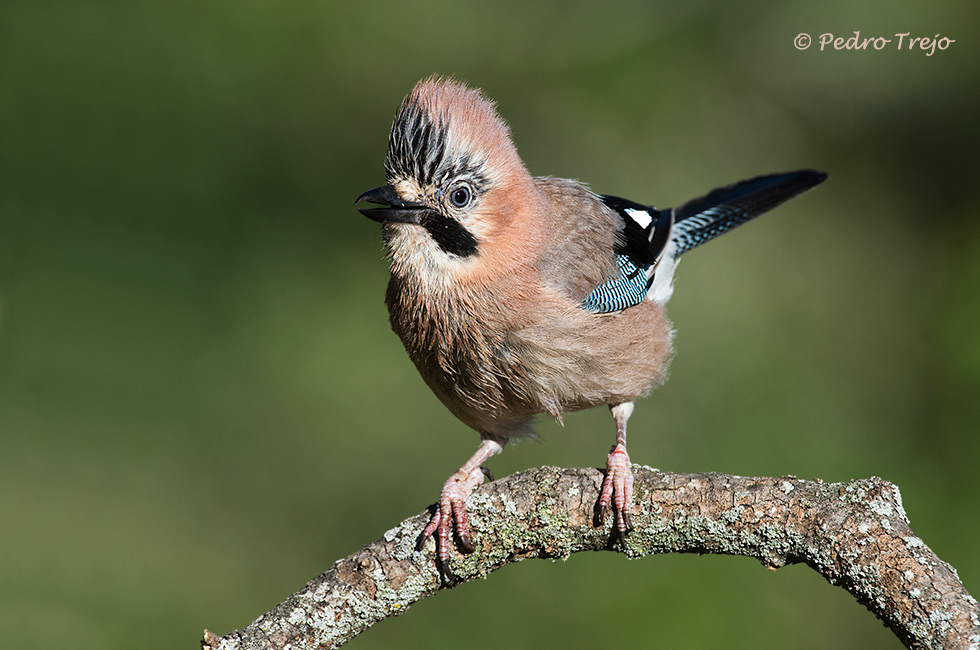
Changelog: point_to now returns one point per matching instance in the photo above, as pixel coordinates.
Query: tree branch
(855, 534)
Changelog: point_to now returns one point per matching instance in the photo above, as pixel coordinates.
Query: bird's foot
(617, 490)
(452, 509)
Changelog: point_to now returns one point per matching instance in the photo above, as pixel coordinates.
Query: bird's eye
(460, 196)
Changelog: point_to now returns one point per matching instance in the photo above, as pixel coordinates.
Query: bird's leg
(452, 504)
(617, 488)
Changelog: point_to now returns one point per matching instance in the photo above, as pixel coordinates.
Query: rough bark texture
(854, 534)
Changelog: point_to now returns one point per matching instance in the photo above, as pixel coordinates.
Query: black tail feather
(703, 219)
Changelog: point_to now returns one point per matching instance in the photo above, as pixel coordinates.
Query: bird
(517, 295)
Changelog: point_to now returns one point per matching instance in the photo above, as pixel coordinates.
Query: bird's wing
(575, 253)
(644, 238)
(650, 234)
(646, 230)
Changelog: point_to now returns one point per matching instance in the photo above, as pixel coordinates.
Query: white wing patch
(641, 217)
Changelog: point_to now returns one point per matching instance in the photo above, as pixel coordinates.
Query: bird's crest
(445, 129)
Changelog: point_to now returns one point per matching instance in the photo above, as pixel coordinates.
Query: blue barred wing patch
(628, 288)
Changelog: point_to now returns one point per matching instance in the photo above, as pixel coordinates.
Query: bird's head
(455, 181)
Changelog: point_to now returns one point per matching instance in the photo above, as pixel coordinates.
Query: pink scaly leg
(617, 487)
(452, 504)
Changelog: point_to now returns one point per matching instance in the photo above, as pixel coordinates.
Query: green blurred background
(201, 403)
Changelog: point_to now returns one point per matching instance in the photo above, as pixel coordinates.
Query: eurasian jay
(516, 295)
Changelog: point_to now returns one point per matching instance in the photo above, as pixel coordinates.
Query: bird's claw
(617, 491)
(450, 517)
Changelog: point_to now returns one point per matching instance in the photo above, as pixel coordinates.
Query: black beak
(396, 209)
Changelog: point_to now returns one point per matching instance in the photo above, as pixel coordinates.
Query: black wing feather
(643, 245)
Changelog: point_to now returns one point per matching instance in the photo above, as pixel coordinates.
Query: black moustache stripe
(451, 236)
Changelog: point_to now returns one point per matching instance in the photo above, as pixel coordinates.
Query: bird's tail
(717, 212)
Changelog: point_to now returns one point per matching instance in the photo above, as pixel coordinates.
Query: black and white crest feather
(416, 145)
(418, 148)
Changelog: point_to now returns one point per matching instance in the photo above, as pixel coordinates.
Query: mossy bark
(855, 534)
